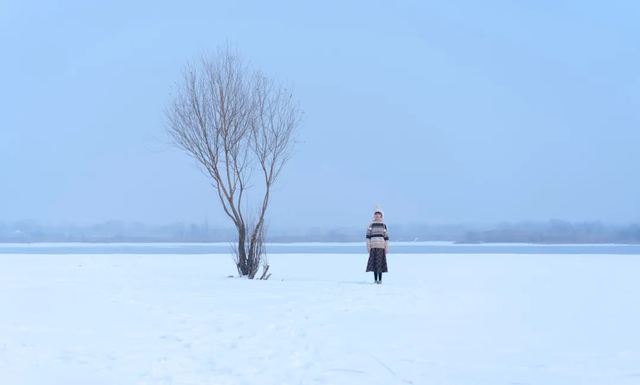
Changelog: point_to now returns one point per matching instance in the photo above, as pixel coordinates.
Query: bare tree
(236, 123)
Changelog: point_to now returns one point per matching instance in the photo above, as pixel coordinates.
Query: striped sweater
(377, 235)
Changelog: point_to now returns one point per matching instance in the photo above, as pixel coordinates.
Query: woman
(377, 245)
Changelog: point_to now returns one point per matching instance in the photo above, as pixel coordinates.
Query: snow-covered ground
(437, 319)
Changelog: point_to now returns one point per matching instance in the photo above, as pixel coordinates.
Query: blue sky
(442, 112)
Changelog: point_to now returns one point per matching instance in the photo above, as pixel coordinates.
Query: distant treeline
(112, 232)
(557, 232)
(551, 232)
(121, 232)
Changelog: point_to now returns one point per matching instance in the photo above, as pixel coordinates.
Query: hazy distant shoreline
(301, 242)
(554, 232)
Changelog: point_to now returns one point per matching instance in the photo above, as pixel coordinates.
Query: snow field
(437, 319)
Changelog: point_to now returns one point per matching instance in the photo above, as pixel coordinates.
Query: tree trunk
(243, 267)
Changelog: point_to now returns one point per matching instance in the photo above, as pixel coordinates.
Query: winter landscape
(437, 319)
(208, 192)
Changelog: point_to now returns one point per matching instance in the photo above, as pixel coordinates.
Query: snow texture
(436, 319)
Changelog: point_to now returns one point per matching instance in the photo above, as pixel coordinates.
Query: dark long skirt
(377, 261)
